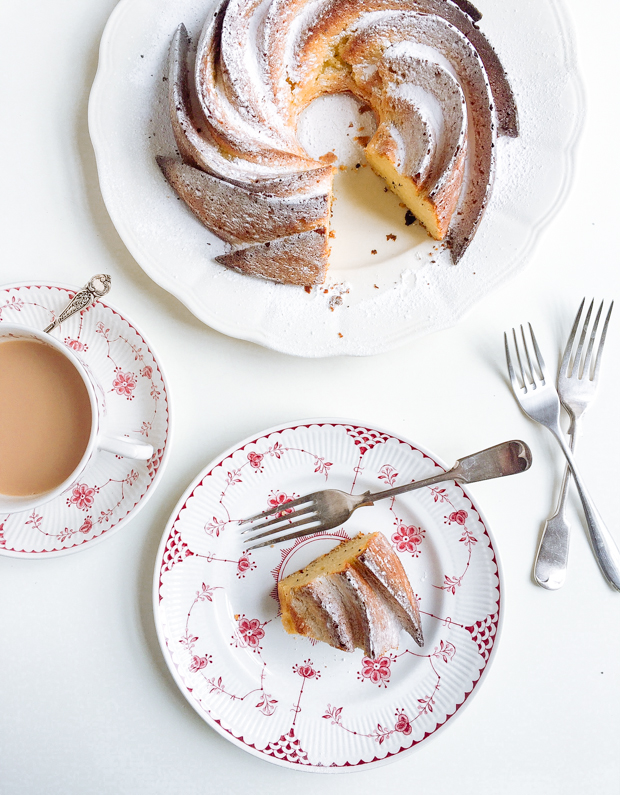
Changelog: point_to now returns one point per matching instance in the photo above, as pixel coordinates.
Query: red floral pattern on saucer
(285, 698)
(131, 388)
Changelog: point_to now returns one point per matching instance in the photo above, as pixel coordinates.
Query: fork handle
(605, 549)
(442, 477)
(551, 559)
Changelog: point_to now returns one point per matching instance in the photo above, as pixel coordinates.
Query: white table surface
(86, 702)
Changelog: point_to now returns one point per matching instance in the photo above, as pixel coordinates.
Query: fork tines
(272, 514)
(304, 520)
(583, 368)
(530, 377)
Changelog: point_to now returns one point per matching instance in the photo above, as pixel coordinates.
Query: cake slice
(356, 596)
(238, 215)
(296, 259)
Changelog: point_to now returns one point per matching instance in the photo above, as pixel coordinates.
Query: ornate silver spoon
(96, 288)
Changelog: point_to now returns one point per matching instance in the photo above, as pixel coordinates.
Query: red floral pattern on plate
(87, 525)
(198, 663)
(255, 460)
(250, 632)
(124, 384)
(408, 539)
(245, 564)
(259, 687)
(277, 498)
(76, 345)
(377, 671)
(306, 671)
(82, 496)
(403, 724)
(112, 488)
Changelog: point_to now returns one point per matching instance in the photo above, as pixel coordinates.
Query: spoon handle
(96, 288)
(551, 561)
(605, 548)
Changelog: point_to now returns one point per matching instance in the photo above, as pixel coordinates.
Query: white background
(86, 702)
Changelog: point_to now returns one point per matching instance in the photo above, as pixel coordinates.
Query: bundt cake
(438, 91)
(356, 596)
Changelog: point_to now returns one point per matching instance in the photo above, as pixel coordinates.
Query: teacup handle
(140, 451)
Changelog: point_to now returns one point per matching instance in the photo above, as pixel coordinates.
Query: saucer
(285, 698)
(134, 397)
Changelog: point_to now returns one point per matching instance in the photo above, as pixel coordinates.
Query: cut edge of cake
(355, 596)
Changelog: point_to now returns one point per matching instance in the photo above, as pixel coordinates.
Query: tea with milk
(45, 417)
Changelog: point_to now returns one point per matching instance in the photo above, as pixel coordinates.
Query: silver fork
(539, 400)
(577, 385)
(330, 508)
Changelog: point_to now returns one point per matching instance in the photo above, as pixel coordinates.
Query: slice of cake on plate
(356, 596)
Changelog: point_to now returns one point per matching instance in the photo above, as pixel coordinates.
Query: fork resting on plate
(324, 510)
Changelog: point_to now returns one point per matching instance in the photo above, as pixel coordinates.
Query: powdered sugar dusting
(393, 295)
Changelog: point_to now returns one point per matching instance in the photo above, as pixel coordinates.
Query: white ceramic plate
(403, 290)
(132, 390)
(285, 698)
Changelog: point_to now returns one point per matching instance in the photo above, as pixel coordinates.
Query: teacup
(97, 439)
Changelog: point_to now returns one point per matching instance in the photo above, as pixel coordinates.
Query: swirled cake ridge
(437, 89)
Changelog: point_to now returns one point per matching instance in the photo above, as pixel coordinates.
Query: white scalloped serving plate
(284, 698)
(405, 288)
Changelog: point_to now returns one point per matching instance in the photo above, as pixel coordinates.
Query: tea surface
(45, 418)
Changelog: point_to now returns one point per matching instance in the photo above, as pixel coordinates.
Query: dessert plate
(132, 389)
(285, 698)
(388, 282)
